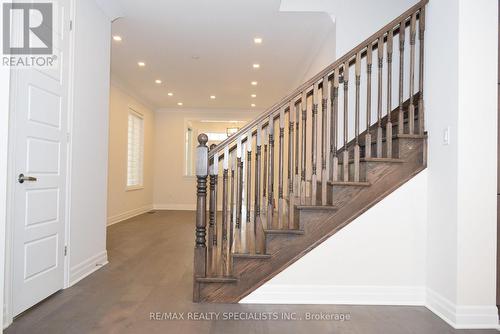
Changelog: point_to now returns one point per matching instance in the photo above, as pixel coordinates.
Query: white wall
(123, 203)
(323, 57)
(325, 54)
(462, 176)
(441, 103)
(89, 137)
(379, 258)
(477, 118)
(357, 20)
(173, 190)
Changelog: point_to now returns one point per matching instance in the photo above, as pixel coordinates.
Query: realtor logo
(37, 33)
(28, 34)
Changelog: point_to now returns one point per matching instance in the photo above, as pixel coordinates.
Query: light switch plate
(446, 136)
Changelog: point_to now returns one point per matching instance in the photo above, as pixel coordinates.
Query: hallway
(150, 270)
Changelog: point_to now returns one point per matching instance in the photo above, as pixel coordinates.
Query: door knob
(23, 178)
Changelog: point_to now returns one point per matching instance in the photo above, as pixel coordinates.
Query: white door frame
(10, 182)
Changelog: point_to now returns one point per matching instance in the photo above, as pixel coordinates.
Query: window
(188, 150)
(135, 155)
(216, 137)
(216, 130)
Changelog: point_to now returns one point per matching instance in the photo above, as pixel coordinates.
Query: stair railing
(304, 159)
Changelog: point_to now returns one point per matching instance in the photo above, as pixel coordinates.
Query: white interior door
(40, 131)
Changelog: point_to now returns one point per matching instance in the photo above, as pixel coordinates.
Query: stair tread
(374, 159)
(283, 231)
(317, 207)
(216, 279)
(394, 136)
(251, 256)
(349, 183)
(392, 160)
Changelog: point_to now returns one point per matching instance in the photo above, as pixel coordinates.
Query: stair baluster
(270, 179)
(280, 168)
(257, 228)
(388, 128)
(325, 138)
(303, 103)
(356, 118)
(296, 185)
(225, 215)
(239, 197)
(335, 119)
(421, 115)
(314, 144)
(368, 137)
(402, 31)
(291, 180)
(232, 223)
(264, 178)
(345, 157)
(217, 223)
(411, 115)
(250, 240)
(380, 53)
(211, 220)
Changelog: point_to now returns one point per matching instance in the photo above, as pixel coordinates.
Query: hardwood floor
(150, 270)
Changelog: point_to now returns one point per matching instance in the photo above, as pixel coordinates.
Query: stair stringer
(318, 226)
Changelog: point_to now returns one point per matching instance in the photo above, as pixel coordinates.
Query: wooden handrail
(295, 95)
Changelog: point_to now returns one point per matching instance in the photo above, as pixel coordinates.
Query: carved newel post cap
(202, 139)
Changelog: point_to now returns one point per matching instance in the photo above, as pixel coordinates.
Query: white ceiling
(167, 34)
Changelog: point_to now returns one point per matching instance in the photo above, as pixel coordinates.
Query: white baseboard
(457, 316)
(333, 294)
(87, 267)
(178, 207)
(462, 316)
(129, 214)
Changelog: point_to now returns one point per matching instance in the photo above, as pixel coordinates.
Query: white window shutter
(135, 155)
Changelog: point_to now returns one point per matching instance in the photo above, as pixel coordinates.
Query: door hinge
(70, 25)
(68, 136)
(65, 250)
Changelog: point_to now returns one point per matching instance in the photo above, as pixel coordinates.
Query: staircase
(342, 146)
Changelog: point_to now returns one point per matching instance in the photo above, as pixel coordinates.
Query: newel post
(200, 249)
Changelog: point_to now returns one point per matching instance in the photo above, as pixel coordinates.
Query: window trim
(140, 185)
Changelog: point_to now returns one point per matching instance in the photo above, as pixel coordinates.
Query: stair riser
(306, 216)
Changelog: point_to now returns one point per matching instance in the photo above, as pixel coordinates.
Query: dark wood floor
(150, 270)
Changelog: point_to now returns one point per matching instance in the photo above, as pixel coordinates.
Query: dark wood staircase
(322, 186)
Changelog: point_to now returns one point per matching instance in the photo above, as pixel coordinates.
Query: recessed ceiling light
(170, 94)
(180, 103)
(257, 40)
(253, 105)
(212, 97)
(256, 65)
(158, 81)
(141, 64)
(254, 83)
(253, 95)
(117, 38)
(195, 57)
